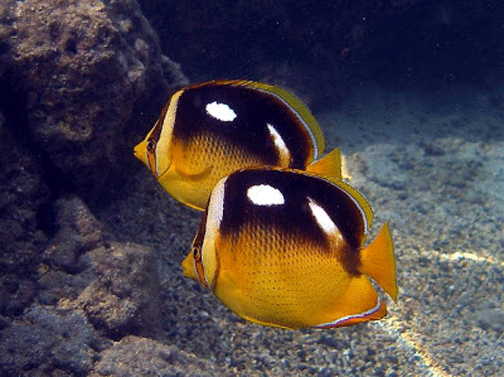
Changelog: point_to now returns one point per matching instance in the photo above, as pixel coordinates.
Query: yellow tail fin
(328, 166)
(378, 262)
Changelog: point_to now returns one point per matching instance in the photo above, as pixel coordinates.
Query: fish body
(284, 248)
(208, 130)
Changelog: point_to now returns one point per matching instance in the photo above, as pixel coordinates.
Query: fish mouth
(137, 152)
(188, 268)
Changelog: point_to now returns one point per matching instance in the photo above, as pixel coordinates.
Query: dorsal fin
(300, 107)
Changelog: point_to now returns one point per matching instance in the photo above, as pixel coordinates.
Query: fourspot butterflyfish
(208, 130)
(284, 248)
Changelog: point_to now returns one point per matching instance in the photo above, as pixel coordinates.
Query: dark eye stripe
(156, 131)
(200, 235)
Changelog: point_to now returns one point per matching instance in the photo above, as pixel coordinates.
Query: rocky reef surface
(80, 83)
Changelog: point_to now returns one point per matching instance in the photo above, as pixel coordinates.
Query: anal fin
(360, 303)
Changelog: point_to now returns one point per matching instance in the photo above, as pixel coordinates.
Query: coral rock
(125, 297)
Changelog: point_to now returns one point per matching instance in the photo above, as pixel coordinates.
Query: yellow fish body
(283, 248)
(208, 130)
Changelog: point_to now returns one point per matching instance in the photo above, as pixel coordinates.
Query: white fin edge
(349, 317)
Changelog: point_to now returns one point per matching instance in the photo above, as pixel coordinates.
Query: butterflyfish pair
(284, 248)
(208, 130)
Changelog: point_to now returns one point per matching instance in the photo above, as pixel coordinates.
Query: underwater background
(411, 91)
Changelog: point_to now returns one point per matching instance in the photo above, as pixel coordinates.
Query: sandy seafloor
(433, 165)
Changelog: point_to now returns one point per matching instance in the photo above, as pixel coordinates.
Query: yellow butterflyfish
(284, 248)
(209, 130)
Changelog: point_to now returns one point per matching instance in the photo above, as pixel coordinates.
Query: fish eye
(151, 145)
(197, 253)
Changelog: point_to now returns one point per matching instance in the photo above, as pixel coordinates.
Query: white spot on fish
(323, 219)
(265, 195)
(280, 145)
(220, 111)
